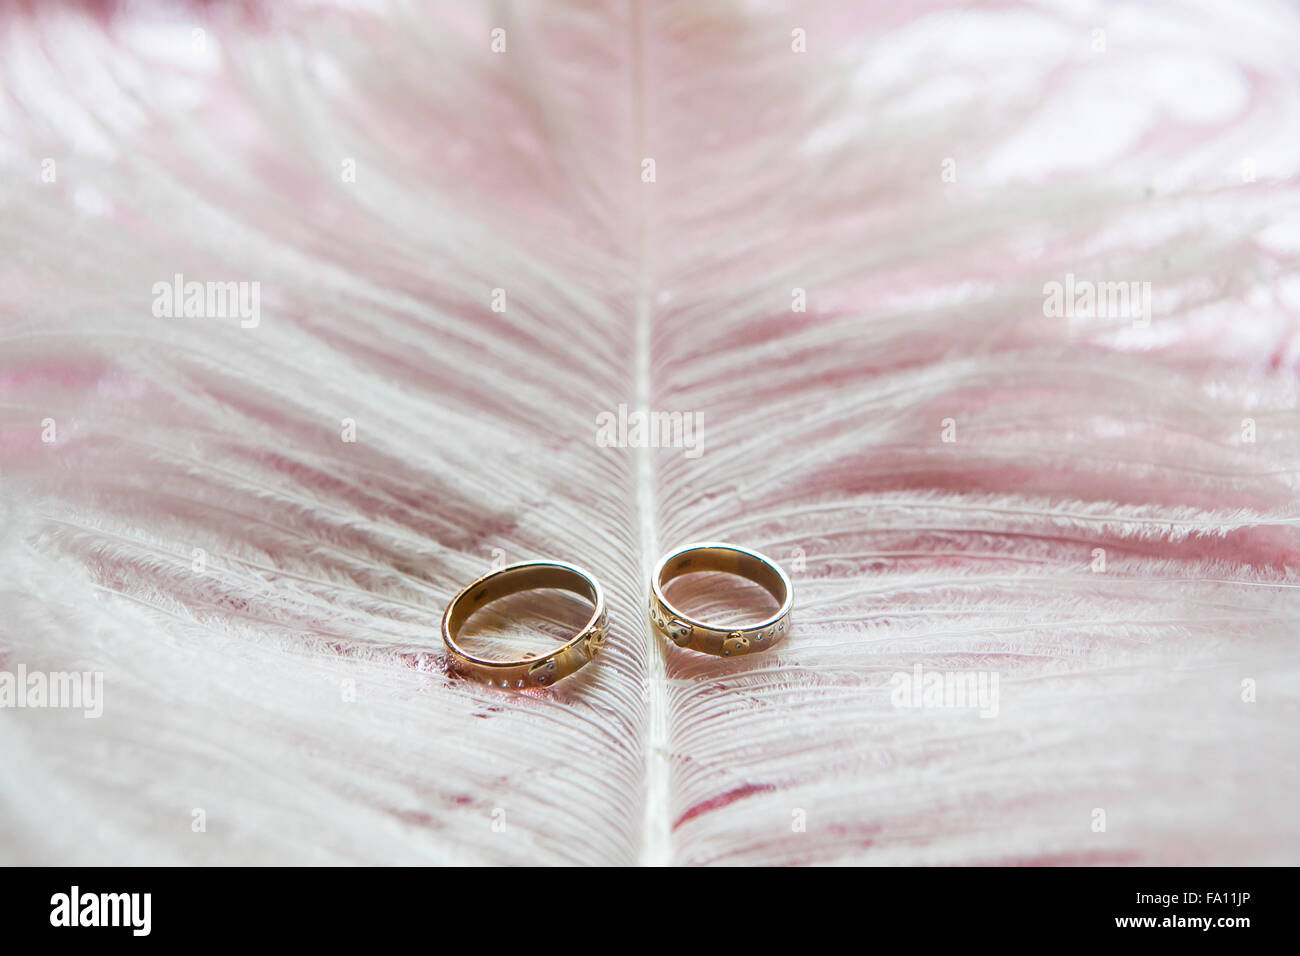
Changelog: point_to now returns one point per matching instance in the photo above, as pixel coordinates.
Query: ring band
(531, 670)
(686, 631)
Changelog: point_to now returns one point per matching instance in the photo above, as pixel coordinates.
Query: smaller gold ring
(531, 670)
(686, 631)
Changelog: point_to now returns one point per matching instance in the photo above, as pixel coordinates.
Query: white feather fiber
(919, 173)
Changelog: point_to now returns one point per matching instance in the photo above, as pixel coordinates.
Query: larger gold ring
(686, 631)
(531, 670)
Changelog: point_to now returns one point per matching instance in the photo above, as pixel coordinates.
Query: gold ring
(532, 670)
(685, 631)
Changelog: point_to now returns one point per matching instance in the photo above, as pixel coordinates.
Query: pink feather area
(986, 318)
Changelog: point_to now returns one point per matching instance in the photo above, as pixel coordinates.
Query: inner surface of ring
(515, 580)
(728, 562)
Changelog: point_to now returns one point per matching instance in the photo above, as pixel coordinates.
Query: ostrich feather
(463, 262)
